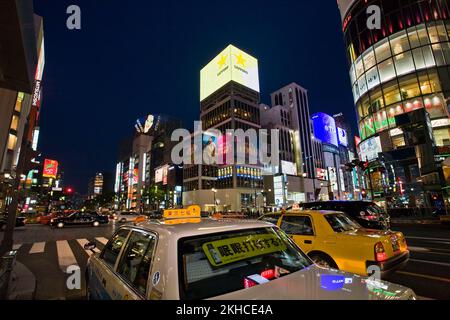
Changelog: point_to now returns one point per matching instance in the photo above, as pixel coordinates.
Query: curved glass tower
(400, 77)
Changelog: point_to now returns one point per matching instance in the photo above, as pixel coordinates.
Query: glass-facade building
(400, 77)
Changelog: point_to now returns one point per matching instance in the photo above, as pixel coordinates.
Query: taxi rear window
(216, 264)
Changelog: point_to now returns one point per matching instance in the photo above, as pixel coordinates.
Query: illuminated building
(229, 99)
(346, 154)
(95, 187)
(21, 69)
(300, 153)
(401, 86)
(139, 158)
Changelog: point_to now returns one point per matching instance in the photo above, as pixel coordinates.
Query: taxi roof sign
(189, 212)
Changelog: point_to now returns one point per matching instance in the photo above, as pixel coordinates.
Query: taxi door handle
(104, 282)
(307, 242)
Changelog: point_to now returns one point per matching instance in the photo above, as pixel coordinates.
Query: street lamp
(214, 193)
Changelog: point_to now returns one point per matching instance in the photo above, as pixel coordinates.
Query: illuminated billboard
(50, 168)
(325, 128)
(144, 125)
(288, 168)
(161, 174)
(342, 137)
(369, 149)
(232, 64)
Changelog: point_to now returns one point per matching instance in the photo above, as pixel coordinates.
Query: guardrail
(7, 263)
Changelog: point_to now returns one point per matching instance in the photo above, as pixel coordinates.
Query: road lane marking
(422, 238)
(82, 242)
(65, 255)
(431, 262)
(102, 240)
(428, 250)
(424, 298)
(418, 249)
(37, 247)
(17, 246)
(423, 276)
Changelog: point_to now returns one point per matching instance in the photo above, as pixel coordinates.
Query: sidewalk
(22, 285)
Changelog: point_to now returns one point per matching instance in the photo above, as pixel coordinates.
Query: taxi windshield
(216, 264)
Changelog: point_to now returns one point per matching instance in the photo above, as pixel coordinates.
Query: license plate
(395, 244)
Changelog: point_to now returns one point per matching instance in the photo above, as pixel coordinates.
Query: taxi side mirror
(90, 246)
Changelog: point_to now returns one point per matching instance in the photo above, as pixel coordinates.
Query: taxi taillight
(380, 253)
(268, 274)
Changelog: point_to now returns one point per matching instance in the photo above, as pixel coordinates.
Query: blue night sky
(136, 57)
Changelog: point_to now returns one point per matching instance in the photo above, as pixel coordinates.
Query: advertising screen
(325, 128)
(232, 64)
(333, 178)
(321, 174)
(210, 148)
(50, 168)
(342, 137)
(370, 148)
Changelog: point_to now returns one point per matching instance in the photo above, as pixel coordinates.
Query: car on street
(46, 218)
(367, 214)
(332, 239)
(126, 216)
(80, 219)
(20, 222)
(186, 257)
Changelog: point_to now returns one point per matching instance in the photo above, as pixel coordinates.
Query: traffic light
(69, 190)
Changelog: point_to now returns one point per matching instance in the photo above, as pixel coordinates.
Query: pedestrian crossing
(37, 247)
(67, 251)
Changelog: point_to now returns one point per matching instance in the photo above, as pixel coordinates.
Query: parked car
(367, 214)
(80, 219)
(20, 222)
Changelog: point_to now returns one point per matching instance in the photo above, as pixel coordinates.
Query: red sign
(50, 168)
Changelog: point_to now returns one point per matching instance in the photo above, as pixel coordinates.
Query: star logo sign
(222, 61)
(240, 60)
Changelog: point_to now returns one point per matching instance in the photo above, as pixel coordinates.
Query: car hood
(315, 283)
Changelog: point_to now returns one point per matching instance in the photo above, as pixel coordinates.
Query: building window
(442, 137)
(14, 122)
(12, 141)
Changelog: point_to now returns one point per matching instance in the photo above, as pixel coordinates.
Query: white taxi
(185, 257)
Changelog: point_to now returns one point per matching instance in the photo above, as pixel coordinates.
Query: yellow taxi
(183, 256)
(332, 239)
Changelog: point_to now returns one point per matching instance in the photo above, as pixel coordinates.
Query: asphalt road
(428, 270)
(48, 252)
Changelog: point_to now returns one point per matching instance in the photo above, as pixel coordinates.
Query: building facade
(21, 70)
(400, 78)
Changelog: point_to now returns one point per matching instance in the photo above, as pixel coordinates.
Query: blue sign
(332, 282)
(325, 128)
